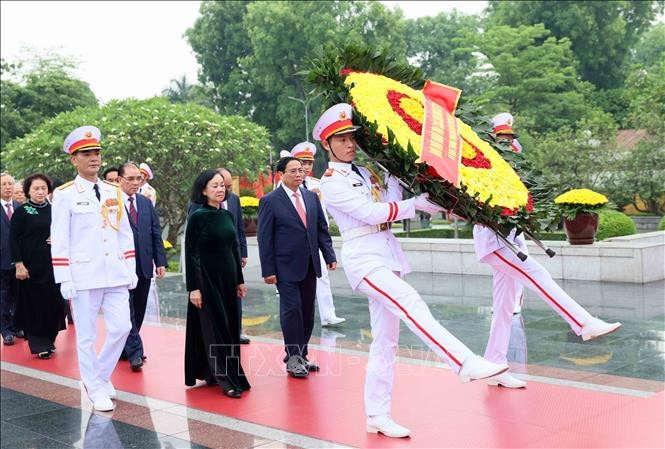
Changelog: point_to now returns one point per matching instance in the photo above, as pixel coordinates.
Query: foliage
(639, 173)
(602, 34)
(250, 51)
(613, 223)
(650, 50)
(661, 224)
(177, 140)
(580, 201)
(325, 73)
(436, 44)
(31, 98)
(534, 76)
(250, 206)
(568, 157)
(180, 90)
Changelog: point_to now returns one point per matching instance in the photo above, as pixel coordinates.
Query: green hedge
(613, 223)
(661, 225)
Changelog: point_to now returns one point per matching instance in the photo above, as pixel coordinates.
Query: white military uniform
(92, 245)
(511, 274)
(503, 124)
(146, 189)
(374, 264)
(324, 297)
(149, 192)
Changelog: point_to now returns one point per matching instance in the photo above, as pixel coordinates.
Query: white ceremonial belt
(364, 230)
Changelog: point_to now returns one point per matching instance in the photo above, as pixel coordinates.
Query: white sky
(130, 48)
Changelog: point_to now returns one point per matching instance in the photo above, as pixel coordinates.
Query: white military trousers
(510, 274)
(391, 299)
(324, 297)
(114, 302)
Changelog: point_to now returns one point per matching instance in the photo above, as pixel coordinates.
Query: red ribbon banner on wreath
(441, 140)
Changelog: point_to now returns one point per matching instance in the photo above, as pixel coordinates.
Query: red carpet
(328, 405)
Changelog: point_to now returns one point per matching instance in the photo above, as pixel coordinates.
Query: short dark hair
(109, 170)
(283, 162)
(57, 182)
(200, 183)
(123, 168)
(30, 179)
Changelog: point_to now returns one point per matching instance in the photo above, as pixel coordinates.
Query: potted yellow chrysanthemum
(579, 209)
(250, 207)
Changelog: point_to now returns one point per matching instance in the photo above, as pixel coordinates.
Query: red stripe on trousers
(413, 321)
(542, 290)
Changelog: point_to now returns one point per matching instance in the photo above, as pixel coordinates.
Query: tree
(572, 158)
(180, 90)
(534, 76)
(640, 171)
(436, 45)
(177, 140)
(256, 77)
(220, 41)
(650, 50)
(602, 34)
(33, 97)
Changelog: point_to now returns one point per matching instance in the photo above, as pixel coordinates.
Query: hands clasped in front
(197, 300)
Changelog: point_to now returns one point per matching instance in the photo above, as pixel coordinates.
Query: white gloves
(134, 279)
(68, 290)
(422, 203)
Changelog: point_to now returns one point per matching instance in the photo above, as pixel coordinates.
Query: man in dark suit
(232, 204)
(8, 280)
(149, 248)
(292, 228)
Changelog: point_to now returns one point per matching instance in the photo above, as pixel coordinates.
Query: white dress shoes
(596, 328)
(101, 402)
(385, 425)
(333, 321)
(506, 380)
(109, 389)
(475, 367)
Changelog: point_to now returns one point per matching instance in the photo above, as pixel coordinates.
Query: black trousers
(138, 301)
(296, 312)
(8, 292)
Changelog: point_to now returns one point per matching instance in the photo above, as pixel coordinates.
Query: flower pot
(250, 226)
(582, 229)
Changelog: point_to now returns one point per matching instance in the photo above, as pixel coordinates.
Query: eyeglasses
(132, 178)
(294, 171)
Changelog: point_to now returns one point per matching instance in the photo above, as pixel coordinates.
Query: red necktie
(9, 210)
(132, 211)
(300, 209)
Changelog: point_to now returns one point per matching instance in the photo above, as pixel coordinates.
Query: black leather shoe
(136, 364)
(297, 367)
(244, 340)
(311, 366)
(235, 394)
(21, 334)
(8, 340)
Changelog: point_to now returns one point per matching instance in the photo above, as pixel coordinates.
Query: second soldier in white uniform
(305, 152)
(375, 264)
(511, 276)
(92, 249)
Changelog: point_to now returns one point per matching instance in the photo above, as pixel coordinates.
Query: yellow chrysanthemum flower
(581, 196)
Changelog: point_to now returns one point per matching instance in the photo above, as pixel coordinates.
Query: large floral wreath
(388, 105)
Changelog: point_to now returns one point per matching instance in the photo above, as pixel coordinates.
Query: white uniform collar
(83, 184)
